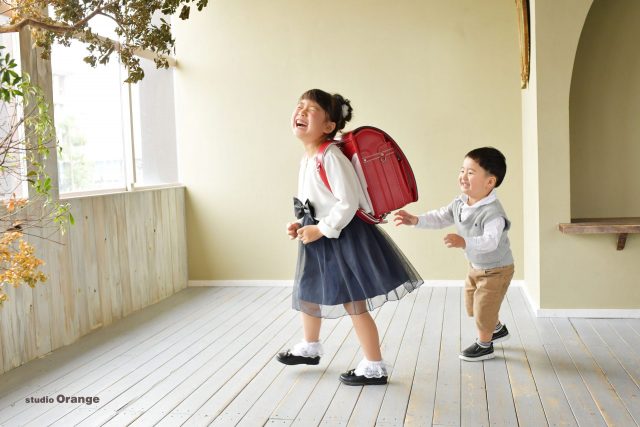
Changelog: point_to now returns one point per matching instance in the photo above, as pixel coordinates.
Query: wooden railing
(125, 252)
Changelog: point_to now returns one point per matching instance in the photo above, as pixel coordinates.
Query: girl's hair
(491, 160)
(338, 108)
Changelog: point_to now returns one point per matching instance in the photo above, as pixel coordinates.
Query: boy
(482, 227)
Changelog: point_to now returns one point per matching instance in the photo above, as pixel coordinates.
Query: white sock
(307, 349)
(371, 369)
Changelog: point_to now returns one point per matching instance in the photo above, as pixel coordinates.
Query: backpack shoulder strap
(320, 162)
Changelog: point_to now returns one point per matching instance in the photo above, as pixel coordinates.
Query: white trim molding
(584, 313)
(239, 283)
(591, 313)
(284, 283)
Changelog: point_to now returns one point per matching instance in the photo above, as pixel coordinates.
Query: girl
(345, 266)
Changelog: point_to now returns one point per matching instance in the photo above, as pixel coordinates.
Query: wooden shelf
(620, 226)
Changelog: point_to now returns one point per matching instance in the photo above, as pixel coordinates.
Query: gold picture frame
(522, 7)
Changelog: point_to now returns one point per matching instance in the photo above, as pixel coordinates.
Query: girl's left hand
(309, 234)
(454, 241)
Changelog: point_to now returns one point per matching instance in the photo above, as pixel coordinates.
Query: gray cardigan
(474, 226)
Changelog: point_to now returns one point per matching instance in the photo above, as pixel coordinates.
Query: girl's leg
(309, 350)
(367, 332)
(311, 327)
(371, 370)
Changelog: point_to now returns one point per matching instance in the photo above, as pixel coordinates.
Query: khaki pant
(483, 294)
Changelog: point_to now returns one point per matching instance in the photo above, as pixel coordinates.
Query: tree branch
(56, 28)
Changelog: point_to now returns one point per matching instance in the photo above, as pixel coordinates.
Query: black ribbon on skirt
(301, 210)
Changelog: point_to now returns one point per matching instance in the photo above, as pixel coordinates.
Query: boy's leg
(474, 352)
(491, 289)
(469, 291)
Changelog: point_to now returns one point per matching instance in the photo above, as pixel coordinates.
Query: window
(154, 127)
(92, 129)
(113, 135)
(11, 134)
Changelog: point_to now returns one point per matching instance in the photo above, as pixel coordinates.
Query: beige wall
(574, 271)
(530, 174)
(605, 113)
(442, 77)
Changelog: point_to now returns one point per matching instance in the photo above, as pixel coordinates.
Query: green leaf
(184, 13)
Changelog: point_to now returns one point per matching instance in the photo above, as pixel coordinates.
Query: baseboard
(591, 313)
(584, 313)
(239, 283)
(538, 312)
(284, 283)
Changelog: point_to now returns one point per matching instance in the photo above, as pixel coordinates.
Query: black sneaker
(290, 359)
(475, 353)
(501, 335)
(350, 378)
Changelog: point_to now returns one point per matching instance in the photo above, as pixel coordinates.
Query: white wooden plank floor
(205, 356)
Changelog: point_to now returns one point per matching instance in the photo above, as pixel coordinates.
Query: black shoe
(475, 353)
(289, 359)
(501, 335)
(350, 378)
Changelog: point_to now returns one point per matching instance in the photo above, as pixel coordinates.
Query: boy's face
(475, 181)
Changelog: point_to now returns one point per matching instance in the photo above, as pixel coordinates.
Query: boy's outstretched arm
(403, 217)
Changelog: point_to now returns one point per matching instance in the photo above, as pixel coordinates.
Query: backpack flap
(382, 168)
(389, 178)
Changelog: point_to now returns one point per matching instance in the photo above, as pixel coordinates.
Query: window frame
(129, 140)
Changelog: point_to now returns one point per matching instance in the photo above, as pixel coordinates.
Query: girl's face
(310, 122)
(475, 181)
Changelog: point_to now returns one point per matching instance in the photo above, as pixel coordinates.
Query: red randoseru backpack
(381, 166)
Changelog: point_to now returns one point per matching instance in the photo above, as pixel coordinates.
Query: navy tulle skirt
(357, 272)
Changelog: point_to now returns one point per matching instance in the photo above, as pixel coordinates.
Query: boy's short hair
(491, 160)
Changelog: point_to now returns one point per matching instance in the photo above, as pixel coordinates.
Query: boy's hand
(292, 229)
(309, 233)
(455, 241)
(404, 217)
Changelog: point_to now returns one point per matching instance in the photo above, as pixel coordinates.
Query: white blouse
(333, 209)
